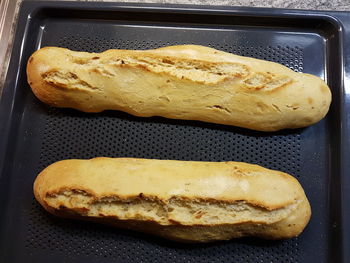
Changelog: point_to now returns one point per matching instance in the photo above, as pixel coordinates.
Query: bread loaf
(180, 200)
(181, 82)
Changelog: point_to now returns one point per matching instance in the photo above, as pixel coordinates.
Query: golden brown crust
(180, 82)
(181, 200)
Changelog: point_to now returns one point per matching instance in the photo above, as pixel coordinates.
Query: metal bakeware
(33, 135)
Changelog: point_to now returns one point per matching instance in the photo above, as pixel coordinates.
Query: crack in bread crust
(190, 69)
(175, 210)
(266, 82)
(67, 80)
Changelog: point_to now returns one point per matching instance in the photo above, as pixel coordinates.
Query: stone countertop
(9, 12)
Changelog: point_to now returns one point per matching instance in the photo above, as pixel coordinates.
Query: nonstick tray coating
(34, 135)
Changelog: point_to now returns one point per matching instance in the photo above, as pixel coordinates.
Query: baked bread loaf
(180, 200)
(181, 82)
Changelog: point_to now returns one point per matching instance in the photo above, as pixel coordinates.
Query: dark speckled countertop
(9, 10)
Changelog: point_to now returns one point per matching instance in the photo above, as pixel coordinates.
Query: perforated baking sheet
(35, 135)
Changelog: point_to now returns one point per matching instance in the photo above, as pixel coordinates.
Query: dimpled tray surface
(34, 135)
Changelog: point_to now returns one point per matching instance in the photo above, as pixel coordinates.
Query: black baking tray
(33, 135)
